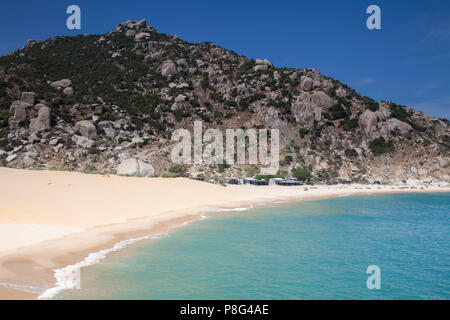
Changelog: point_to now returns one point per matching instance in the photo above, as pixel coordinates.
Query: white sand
(17, 235)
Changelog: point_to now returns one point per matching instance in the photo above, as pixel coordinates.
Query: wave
(202, 217)
(65, 279)
(227, 209)
(22, 287)
(65, 276)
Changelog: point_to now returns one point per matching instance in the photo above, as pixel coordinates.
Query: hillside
(90, 102)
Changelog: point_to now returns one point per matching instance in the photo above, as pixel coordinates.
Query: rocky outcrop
(86, 129)
(322, 100)
(68, 91)
(83, 141)
(399, 126)
(168, 68)
(308, 108)
(11, 158)
(64, 83)
(42, 122)
(141, 36)
(414, 182)
(262, 64)
(28, 161)
(28, 97)
(130, 33)
(306, 83)
(20, 110)
(368, 123)
(134, 167)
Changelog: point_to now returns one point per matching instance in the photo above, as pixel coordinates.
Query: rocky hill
(111, 102)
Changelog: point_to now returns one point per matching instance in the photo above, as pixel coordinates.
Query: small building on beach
(256, 182)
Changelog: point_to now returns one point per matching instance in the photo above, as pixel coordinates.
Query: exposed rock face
(28, 97)
(42, 122)
(271, 117)
(110, 132)
(11, 158)
(306, 83)
(322, 100)
(400, 126)
(141, 36)
(130, 33)
(64, 83)
(82, 141)
(28, 161)
(262, 64)
(20, 110)
(133, 167)
(413, 182)
(86, 129)
(168, 69)
(68, 91)
(146, 169)
(31, 42)
(308, 108)
(180, 98)
(368, 123)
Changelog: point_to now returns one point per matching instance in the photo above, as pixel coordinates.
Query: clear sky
(407, 61)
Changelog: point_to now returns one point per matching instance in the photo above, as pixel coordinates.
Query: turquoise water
(305, 250)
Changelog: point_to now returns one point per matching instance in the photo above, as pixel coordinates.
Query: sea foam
(227, 210)
(64, 276)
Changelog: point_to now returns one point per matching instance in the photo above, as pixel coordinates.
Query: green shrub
(285, 107)
(179, 170)
(351, 153)
(288, 160)
(380, 146)
(223, 166)
(338, 112)
(349, 124)
(371, 104)
(303, 132)
(243, 104)
(399, 112)
(302, 174)
(168, 175)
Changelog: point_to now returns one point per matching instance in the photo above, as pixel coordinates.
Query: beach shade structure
(288, 182)
(232, 180)
(200, 177)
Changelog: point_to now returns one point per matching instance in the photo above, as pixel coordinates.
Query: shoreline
(27, 268)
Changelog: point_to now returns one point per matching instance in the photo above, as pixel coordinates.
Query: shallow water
(305, 250)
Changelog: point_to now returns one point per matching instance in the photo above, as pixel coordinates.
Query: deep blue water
(306, 250)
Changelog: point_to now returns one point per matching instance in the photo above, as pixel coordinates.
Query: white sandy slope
(17, 235)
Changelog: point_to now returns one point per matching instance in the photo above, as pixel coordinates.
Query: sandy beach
(51, 219)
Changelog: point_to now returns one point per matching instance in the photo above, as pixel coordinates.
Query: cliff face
(93, 101)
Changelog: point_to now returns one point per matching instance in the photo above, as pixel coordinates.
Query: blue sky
(407, 61)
